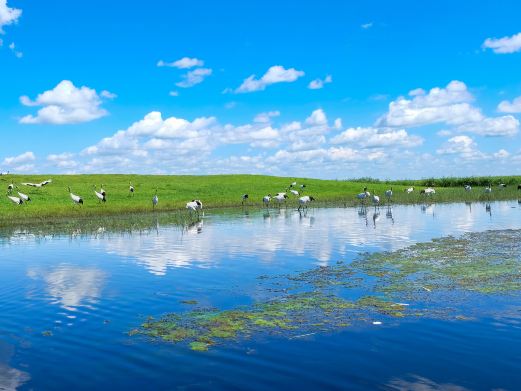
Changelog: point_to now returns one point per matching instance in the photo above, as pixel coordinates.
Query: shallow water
(68, 302)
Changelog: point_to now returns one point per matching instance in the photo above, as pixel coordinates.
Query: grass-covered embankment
(216, 191)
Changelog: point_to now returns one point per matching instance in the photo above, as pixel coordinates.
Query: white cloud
(17, 53)
(319, 83)
(8, 15)
(317, 118)
(266, 116)
(498, 126)
(25, 157)
(501, 154)
(510, 107)
(449, 105)
(108, 94)
(194, 77)
(333, 154)
(182, 63)
(504, 45)
(173, 93)
(376, 138)
(63, 160)
(65, 104)
(275, 74)
(366, 26)
(464, 146)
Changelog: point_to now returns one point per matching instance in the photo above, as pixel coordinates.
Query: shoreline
(145, 220)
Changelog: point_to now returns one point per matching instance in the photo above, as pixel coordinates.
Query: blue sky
(327, 89)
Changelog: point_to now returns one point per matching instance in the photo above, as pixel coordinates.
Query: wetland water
(68, 303)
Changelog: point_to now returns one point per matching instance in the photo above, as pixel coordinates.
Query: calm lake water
(90, 290)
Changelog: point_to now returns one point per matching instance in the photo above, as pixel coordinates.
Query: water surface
(68, 302)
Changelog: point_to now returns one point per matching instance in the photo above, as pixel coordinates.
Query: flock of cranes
(193, 206)
(196, 206)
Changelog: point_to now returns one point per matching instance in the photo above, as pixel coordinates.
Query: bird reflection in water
(362, 213)
(428, 209)
(376, 217)
(389, 214)
(195, 228)
(488, 209)
(305, 219)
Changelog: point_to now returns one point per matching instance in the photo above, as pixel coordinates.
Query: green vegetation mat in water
(419, 280)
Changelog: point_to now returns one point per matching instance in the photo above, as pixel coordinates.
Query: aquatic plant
(373, 286)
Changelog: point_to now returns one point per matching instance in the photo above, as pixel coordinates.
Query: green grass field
(217, 191)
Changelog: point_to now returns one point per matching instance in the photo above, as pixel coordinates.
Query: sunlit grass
(217, 191)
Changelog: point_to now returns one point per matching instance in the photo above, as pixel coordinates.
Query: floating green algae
(304, 311)
(394, 284)
(486, 262)
(189, 302)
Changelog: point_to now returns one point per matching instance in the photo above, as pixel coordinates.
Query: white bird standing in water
(75, 198)
(389, 194)
(266, 200)
(409, 190)
(280, 198)
(488, 189)
(304, 201)
(468, 188)
(376, 201)
(194, 206)
(362, 196)
(155, 200)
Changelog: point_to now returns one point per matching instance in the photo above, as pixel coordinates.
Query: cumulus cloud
(8, 15)
(22, 162)
(275, 74)
(266, 116)
(502, 154)
(510, 107)
(319, 83)
(332, 154)
(464, 146)
(317, 118)
(182, 63)
(194, 77)
(63, 160)
(504, 45)
(451, 106)
(498, 126)
(23, 158)
(367, 26)
(66, 104)
(448, 105)
(376, 138)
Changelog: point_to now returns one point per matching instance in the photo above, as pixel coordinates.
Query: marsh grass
(216, 191)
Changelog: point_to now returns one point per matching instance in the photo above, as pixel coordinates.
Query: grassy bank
(218, 191)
